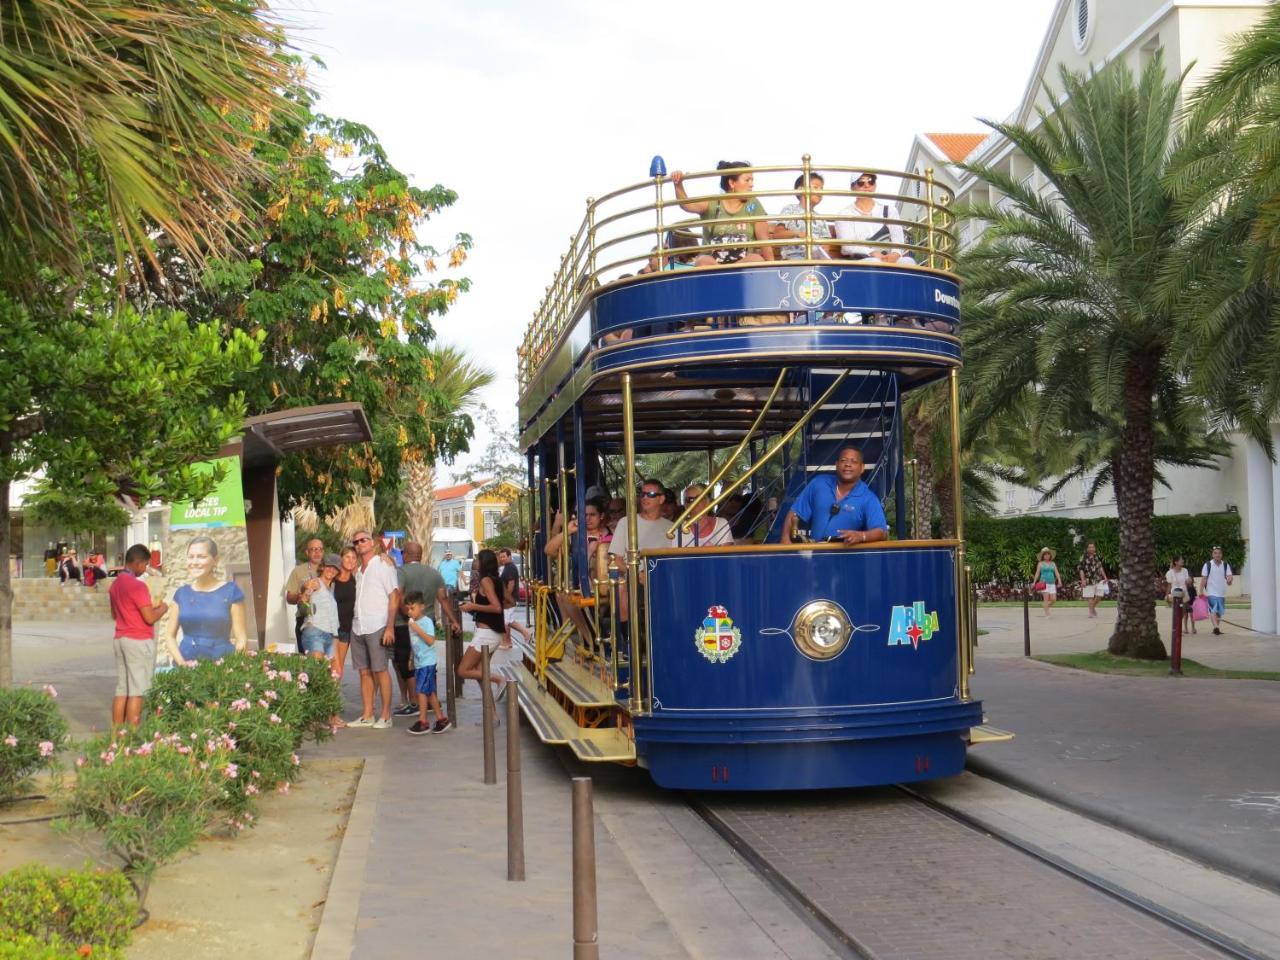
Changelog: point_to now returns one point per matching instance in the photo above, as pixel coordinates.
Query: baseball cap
(332, 560)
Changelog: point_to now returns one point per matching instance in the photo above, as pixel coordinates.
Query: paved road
(907, 882)
(1192, 764)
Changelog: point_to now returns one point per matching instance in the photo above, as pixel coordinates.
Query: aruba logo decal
(911, 625)
(718, 639)
(811, 288)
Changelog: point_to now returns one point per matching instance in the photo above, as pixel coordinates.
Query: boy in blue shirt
(422, 638)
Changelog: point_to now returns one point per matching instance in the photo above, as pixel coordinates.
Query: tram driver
(839, 507)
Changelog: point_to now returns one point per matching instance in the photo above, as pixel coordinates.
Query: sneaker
(419, 728)
(381, 724)
(361, 722)
(405, 710)
(1217, 632)
(442, 726)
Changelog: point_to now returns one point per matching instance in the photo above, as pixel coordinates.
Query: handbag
(1040, 586)
(1200, 608)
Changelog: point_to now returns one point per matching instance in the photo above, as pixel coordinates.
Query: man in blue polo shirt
(839, 506)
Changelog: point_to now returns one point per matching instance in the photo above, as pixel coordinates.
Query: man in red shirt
(135, 638)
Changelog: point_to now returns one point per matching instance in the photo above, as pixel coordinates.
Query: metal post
(657, 207)
(808, 208)
(1175, 660)
(928, 189)
(486, 704)
(451, 675)
(586, 937)
(591, 243)
(957, 497)
(1026, 623)
(633, 555)
(515, 798)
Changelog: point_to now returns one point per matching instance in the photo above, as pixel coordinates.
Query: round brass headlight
(822, 629)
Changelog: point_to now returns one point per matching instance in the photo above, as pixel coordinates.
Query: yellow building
(477, 508)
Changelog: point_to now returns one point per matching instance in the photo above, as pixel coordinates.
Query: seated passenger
(651, 534)
(793, 228)
(839, 507)
(709, 530)
(875, 230)
(718, 213)
(682, 259)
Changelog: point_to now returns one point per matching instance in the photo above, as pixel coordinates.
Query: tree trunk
(1136, 634)
(6, 594)
(922, 451)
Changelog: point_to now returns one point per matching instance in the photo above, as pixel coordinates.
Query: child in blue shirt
(422, 638)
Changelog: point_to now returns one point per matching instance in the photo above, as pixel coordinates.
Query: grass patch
(1103, 662)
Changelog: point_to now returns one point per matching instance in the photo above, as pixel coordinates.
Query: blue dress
(205, 619)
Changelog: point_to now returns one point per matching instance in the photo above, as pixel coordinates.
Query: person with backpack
(875, 224)
(1215, 577)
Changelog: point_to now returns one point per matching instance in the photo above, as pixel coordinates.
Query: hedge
(1004, 549)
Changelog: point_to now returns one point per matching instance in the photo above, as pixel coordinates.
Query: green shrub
(32, 730)
(151, 799)
(1004, 549)
(22, 946)
(59, 913)
(300, 690)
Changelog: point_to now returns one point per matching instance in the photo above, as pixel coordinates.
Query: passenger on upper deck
(718, 214)
(877, 229)
(839, 506)
(709, 530)
(793, 228)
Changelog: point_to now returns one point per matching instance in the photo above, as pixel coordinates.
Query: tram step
(988, 734)
(579, 684)
(553, 725)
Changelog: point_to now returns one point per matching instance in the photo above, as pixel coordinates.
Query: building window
(459, 518)
(1060, 498)
(1010, 500)
(491, 520)
(1083, 18)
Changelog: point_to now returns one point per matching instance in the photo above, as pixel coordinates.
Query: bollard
(515, 799)
(1026, 626)
(1175, 659)
(451, 676)
(586, 938)
(486, 722)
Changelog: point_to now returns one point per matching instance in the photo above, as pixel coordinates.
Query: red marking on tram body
(922, 764)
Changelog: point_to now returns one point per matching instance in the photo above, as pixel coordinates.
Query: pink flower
(248, 686)
(230, 771)
(11, 741)
(239, 706)
(256, 775)
(49, 689)
(271, 695)
(250, 790)
(46, 748)
(295, 758)
(80, 762)
(263, 704)
(304, 678)
(283, 788)
(274, 718)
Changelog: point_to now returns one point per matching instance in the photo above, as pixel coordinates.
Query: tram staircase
(861, 411)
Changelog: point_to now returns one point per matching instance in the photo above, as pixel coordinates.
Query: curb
(336, 933)
(1205, 854)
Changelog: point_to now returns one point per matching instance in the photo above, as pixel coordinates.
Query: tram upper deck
(836, 274)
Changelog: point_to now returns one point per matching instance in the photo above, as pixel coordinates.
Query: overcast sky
(527, 108)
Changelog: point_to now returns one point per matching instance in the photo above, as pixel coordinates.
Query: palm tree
(460, 380)
(1069, 304)
(149, 104)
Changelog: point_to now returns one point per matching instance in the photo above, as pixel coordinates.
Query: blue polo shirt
(859, 508)
(449, 572)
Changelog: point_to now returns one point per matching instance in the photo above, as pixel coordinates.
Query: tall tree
(1069, 305)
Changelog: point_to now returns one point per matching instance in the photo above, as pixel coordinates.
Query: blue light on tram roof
(657, 167)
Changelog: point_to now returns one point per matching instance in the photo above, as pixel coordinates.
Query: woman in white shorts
(1047, 578)
(485, 607)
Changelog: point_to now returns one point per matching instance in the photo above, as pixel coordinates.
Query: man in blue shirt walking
(839, 506)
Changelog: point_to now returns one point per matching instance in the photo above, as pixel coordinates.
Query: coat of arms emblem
(718, 639)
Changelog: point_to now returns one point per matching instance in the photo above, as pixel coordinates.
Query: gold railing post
(633, 555)
(657, 190)
(962, 626)
(563, 582)
(928, 198)
(591, 242)
(807, 168)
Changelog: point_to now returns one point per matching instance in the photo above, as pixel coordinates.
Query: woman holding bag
(1047, 578)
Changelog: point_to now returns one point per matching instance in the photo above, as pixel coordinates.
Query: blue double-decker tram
(768, 631)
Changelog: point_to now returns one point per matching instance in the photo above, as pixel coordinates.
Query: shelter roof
(272, 436)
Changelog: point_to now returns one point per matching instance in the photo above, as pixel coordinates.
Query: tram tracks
(889, 874)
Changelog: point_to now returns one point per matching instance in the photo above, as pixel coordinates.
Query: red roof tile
(956, 146)
(460, 490)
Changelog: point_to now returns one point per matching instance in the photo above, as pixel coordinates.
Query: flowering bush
(32, 730)
(76, 913)
(301, 692)
(151, 798)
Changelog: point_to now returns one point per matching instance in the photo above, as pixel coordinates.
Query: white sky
(527, 108)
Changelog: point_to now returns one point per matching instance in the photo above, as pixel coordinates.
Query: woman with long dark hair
(485, 607)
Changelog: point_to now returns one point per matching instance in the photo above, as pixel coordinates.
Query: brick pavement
(906, 882)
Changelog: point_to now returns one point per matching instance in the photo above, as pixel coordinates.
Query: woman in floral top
(1093, 577)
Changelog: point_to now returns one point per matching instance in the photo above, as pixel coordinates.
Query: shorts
(424, 680)
(1217, 606)
(729, 255)
(1050, 590)
(315, 640)
(344, 636)
(135, 666)
(402, 652)
(367, 651)
(508, 615)
(483, 638)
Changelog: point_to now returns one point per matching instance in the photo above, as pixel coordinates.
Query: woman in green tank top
(1047, 578)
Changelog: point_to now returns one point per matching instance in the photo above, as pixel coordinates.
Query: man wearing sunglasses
(839, 507)
(373, 631)
(874, 226)
(651, 532)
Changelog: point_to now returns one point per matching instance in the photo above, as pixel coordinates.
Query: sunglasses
(865, 182)
(361, 540)
(650, 493)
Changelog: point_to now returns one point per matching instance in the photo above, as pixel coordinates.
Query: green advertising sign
(224, 507)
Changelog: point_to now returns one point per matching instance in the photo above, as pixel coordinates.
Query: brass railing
(632, 231)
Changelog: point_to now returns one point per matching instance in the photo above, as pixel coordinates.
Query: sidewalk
(423, 860)
(1191, 764)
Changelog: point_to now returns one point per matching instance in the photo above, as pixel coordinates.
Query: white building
(1194, 36)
